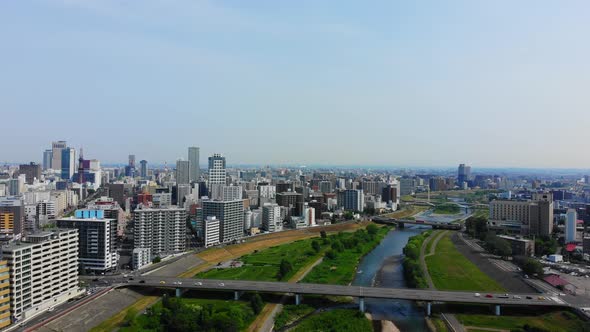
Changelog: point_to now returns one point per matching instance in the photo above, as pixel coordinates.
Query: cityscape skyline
(449, 82)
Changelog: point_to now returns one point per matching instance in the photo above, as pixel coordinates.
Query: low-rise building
(520, 246)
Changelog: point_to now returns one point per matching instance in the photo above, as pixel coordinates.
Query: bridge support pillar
(428, 309)
(362, 304)
(178, 292)
(237, 295)
(497, 310)
(298, 298)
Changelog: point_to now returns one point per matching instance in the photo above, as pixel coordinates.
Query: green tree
(156, 259)
(284, 268)
(330, 254)
(372, 229)
(316, 246)
(323, 234)
(256, 303)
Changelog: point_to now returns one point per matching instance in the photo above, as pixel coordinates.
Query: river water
(382, 267)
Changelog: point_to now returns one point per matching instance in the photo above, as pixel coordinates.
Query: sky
(389, 83)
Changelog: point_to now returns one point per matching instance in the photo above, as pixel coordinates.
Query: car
(130, 278)
(179, 283)
(142, 281)
(561, 294)
(489, 295)
(505, 296)
(477, 295)
(541, 298)
(198, 283)
(529, 297)
(221, 284)
(162, 282)
(51, 309)
(517, 297)
(526, 276)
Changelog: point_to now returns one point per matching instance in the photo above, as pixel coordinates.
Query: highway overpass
(298, 289)
(402, 222)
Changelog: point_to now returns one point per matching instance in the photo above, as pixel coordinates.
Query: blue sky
(430, 83)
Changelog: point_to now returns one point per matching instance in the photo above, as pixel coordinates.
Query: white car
(51, 309)
(517, 297)
(477, 295)
(198, 283)
(221, 284)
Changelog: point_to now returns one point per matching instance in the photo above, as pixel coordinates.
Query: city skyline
(342, 84)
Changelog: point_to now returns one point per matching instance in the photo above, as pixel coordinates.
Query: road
(337, 290)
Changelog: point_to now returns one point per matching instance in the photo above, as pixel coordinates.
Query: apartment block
(161, 230)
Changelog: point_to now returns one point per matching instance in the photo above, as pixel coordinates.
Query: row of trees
(412, 270)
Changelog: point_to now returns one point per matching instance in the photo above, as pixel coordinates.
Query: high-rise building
(44, 271)
(211, 231)
(56, 148)
(96, 244)
(291, 200)
(5, 294)
(68, 163)
(162, 230)
(570, 225)
(231, 193)
(528, 217)
(463, 174)
(271, 217)
(143, 169)
(183, 172)
(31, 171)
(193, 157)
(217, 173)
(230, 215)
(407, 186)
(351, 200)
(391, 193)
(12, 217)
(47, 159)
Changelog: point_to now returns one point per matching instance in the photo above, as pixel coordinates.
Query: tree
(337, 245)
(316, 246)
(372, 229)
(256, 303)
(330, 254)
(503, 247)
(156, 259)
(323, 234)
(284, 268)
(477, 227)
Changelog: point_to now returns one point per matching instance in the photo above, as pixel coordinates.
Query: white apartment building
(271, 217)
(162, 230)
(231, 193)
(43, 271)
(211, 231)
(141, 257)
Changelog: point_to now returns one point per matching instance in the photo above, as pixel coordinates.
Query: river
(383, 267)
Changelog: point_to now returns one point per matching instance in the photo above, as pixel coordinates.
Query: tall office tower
(12, 217)
(266, 193)
(193, 157)
(96, 243)
(230, 215)
(162, 230)
(44, 271)
(183, 172)
(407, 186)
(217, 174)
(182, 191)
(291, 200)
(47, 159)
(351, 200)
(31, 171)
(325, 186)
(143, 169)
(132, 160)
(391, 193)
(271, 217)
(570, 226)
(56, 148)
(68, 163)
(463, 174)
(5, 297)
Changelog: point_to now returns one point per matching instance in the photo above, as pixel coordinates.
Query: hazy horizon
(306, 82)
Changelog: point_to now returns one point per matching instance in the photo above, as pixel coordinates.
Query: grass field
(556, 321)
(450, 270)
(447, 208)
(341, 269)
(406, 211)
(291, 313)
(264, 264)
(114, 322)
(336, 320)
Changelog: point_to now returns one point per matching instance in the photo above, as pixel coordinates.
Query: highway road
(337, 290)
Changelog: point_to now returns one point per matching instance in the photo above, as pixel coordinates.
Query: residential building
(12, 218)
(231, 193)
(183, 172)
(570, 226)
(193, 158)
(96, 239)
(43, 271)
(407, 186)
(162, 230)
(31, 171)
(351, 200)
(271, 217)
(4, 294)
(211, 231)
(230, 215)
(140, 257)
